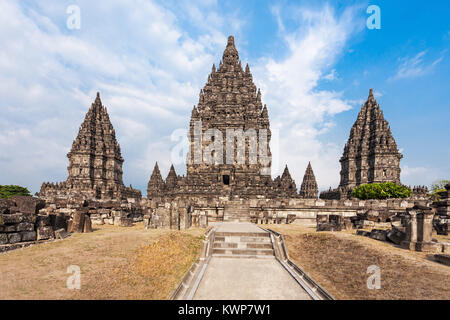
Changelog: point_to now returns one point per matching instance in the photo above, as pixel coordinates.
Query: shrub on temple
(385, 190)
(12, 190)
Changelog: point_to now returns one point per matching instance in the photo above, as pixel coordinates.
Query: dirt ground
(115, 263)
(339, 262)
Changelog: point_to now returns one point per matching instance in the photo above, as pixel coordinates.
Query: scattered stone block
(125, 222)
(363, 233)
(443, 258)
(61, 234)
(70, 226)
(78, 221)
(328, 227)
(395, 235)
(378, 234)
(87, 224)
(45, 233)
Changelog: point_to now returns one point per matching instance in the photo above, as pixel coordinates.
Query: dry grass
(159, 267)
(113, 264)
(339, 261)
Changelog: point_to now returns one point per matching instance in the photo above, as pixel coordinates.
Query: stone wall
(198, 211)
(20, 222)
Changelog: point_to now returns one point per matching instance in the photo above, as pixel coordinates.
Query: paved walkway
(239, 227)
(247, 278)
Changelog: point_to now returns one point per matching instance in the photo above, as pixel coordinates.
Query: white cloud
(415, 66)
(426, 175)
(148, 69)
(300, 110)
(333, 75)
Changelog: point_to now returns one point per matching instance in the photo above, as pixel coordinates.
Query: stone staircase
(243, 245)
(235, 211)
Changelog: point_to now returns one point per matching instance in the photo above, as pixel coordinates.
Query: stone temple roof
(371, 132)
(230, 97)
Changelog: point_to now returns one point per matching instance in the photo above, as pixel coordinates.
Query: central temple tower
(228, 128)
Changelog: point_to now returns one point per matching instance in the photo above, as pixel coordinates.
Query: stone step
(239, 239)
(237, 251)
(243, 234)
(243, 256)
(248, 245)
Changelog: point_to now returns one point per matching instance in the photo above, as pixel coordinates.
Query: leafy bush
(10, 191)
(435, 195)
(439, 185)
(383, 190)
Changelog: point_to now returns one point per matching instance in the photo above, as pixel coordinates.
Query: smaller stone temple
(309, 188)
(370, 155)
(95, 162)
(156, 185)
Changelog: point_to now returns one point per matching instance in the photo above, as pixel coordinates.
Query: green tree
(385, 190)
(12, 190)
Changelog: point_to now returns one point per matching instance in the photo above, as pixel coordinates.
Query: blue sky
(313, 60)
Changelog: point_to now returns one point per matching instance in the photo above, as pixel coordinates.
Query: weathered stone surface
(378, 234)
(78, 221)
(28, 236)
(14, 237)
(25, 226)
(45, 233)
(87, 224)
(29, 205)
(443, 258)
(61, 234)
(12, 218)
(3, 238)
(395, 235)
(363, 233)
(60, 221)
(328, 227)
(43, 221)
(124, 222)
(5, 204)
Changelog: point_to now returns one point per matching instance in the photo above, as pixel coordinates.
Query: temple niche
(95, 162)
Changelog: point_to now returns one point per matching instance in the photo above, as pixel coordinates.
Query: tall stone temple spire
(309, 189)
(95, 160)
(229, 100)
(370, 154)
(156, 185)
